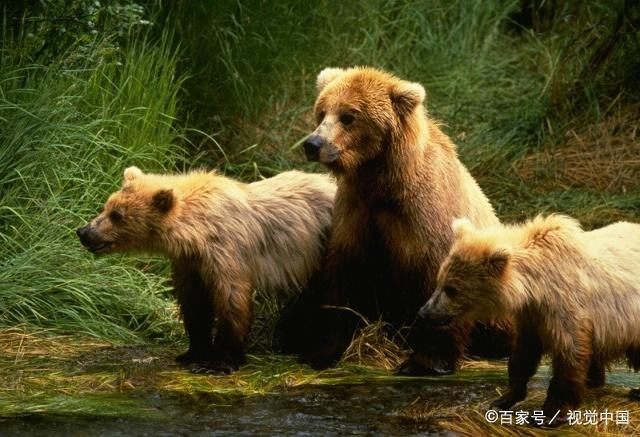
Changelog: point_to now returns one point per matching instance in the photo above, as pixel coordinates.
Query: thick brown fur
(224, 239)
(573, 294)
(400, 184)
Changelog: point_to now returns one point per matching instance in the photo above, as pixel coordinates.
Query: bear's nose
(434, 318)
(82, 232)
(312, 146)
(424, 312)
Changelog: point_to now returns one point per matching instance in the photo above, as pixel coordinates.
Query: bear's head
(471, 279)
(131, 217)
(360, 112)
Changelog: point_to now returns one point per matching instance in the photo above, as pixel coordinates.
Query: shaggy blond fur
(400, 184)
(574, 294)
(224, 238)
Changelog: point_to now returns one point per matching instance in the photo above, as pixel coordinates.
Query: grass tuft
(376, 345)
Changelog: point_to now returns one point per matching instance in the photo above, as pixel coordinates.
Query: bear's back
(617, 244)
(616, 303)
(475, 204)
(292, 215)
(295, 184)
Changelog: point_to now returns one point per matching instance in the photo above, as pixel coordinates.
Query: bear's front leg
(233, 309)
(329, 343)
(567, 386)
(333, 321)
(523, 364)
(596, 375)
(298, 319)
(196, 307)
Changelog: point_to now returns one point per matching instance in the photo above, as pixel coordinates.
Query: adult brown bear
(400, 185)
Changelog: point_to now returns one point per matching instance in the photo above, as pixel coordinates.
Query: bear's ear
(497, 260)
(327, 75)
(462, 226)
(130, 173)
(163, 200)
(405, 96)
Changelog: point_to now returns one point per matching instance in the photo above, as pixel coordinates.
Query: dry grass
(44, 373)
(473, 424)
(469, 420)
(603, 156)
(20, 344)
(37, 364)
(37, 367)
(376, 345)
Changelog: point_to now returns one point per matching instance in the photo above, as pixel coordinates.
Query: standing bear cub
(572, 293)
(224, 238)
(400, 185)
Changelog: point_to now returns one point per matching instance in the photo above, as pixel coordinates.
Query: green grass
(69, 129)
(471, 69)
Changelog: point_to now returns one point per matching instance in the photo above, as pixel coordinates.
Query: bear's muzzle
(92, 240)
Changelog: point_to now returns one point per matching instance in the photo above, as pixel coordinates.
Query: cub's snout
(92, 240)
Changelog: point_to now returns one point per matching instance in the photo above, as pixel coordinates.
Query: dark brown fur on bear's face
(358, 112)
(467, 290)
(128, 220)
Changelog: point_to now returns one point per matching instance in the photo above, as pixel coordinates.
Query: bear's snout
(312, 146)
(82, 233)
(92, 240)
(425, 311)
(433, 317)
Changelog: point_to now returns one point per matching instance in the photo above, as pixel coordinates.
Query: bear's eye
(450, 291)
(321, 115)
(346, 118)
(116, 216)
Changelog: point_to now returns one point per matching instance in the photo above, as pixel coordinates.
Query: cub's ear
(462, 226)
(497, 261)
(405, 96)
(130, 173)
(163, 200)
(327, 75)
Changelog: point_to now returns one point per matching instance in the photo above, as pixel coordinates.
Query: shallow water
(371, 408)
(358, 409)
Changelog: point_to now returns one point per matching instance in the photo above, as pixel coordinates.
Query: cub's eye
(450, 291)
(321, 115)
(346, 119)
(116, 216)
